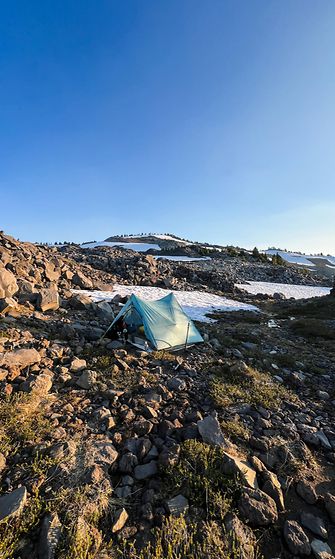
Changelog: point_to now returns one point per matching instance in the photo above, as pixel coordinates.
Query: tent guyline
(161, 323)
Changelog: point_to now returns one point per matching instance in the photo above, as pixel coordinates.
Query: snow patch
(196, 304)
(183, 258)
(295, 291)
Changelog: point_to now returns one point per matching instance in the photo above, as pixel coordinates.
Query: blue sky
(213, 120)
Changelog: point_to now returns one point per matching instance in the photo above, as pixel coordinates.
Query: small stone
(177, 384)
(49, 536)
(120, 518)
(87, 379)
(12, 503)
(307, 492)
(210, 431)
(177, 506)
(314, 524)
(330, 505)
(146, 470)
(321, 550)
(127, 463)
(77, 365)
(296, 539)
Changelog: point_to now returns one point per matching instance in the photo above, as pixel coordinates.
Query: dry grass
(258, 388)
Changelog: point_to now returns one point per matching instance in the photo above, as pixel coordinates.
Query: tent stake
(188, 329)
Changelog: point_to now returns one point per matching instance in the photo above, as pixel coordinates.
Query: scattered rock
(315, 524)
(87, 379)
(144, 471)
(210, 431)
(296, 539)
(307, 492)
(120, 518)
(12, 503)
(48, 299)
(321, 550)
(257, 507)
(50, 534)
(177, 506)
(8, 285)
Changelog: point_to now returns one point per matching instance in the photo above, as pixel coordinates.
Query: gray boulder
(314, 524)
(12, 503)
(87, 379)
(145, 471)
(177, 506)
(210, 431)
(257, 507)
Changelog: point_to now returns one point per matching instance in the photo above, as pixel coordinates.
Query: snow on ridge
(170, 238)
(196, 304)
(138, 247)
(302, 259)
(295, 291)
(291, 257)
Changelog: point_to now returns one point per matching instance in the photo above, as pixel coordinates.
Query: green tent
(165, 324)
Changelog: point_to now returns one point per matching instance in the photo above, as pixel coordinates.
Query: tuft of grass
(199, 477)
(22, 421)
(313, 328)
(228, 388)
(13, 531)
(177, 539)
(236, 429)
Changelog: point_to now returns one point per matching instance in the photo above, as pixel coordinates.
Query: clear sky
(214, 120)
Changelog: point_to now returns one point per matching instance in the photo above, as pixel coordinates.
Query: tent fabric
(164, 321)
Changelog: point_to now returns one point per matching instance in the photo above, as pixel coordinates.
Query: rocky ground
(226, 450)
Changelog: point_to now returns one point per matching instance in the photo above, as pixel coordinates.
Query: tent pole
(188, 329)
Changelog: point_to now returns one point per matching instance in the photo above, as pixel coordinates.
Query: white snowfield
(302, 259)
(138, 247)
(295, 291)
(196, 304)
(183, 258)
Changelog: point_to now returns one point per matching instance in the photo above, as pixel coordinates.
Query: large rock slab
(241, 540)
(8, 285)
(315, 524)
(12, 503)
(19, 358)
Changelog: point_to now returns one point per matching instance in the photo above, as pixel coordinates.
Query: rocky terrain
(226, 450)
